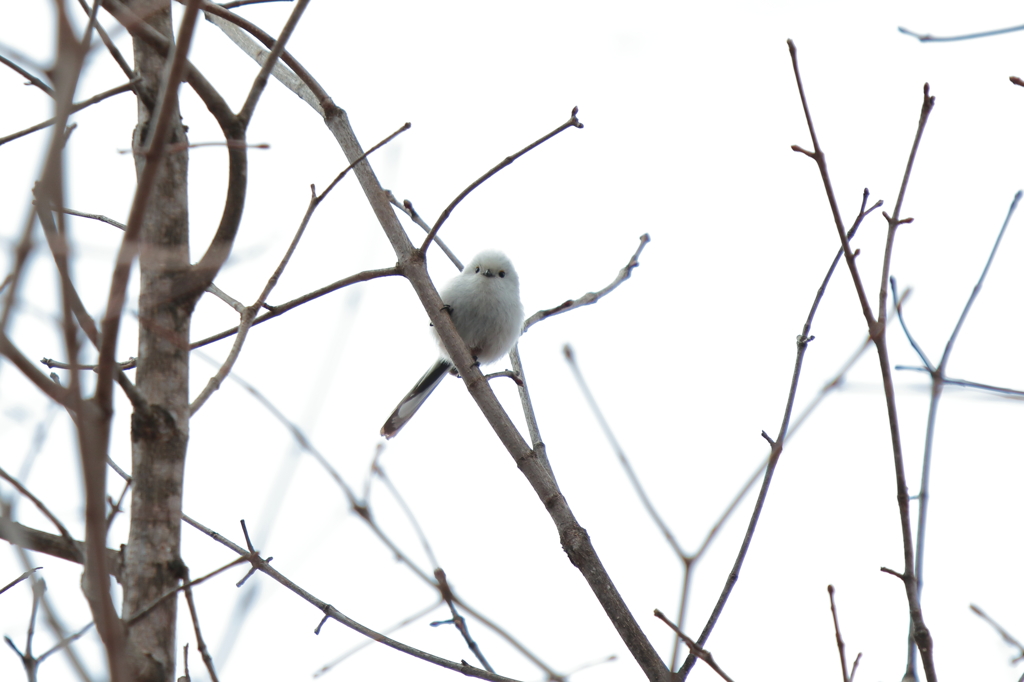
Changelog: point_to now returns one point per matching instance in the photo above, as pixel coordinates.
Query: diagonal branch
(1007, 637)
(68, 540)
(74, 109)
(620, 453)
(222, 17)
(260, 83)
(573, 122)
(802, 340)
(334, 614)
(592, 297)
(695, 649)
(406, 207)
(27, 75)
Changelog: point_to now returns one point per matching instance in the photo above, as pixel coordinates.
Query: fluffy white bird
(484, 304)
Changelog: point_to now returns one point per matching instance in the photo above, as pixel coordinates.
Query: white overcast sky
(690, 110)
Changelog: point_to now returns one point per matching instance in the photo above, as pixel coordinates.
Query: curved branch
(573, 122)
(592, 297)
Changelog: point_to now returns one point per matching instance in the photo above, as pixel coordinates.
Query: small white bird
(484, 304)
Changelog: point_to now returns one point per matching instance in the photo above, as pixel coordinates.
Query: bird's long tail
(411, 402)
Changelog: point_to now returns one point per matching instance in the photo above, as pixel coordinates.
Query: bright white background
(690, 110)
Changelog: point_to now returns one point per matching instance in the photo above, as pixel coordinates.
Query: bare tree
(132, 591)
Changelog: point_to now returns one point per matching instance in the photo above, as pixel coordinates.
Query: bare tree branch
(847, 676)
(573, 122)
(200, 642)
(53, 545)
(32, 80)
(592, 297)
(334, 614)
(1007, 637)
(929, 38)
(74, 109)
(695, 649)
(876, 327)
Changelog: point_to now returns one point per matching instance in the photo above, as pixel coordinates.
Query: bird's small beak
(487, 273)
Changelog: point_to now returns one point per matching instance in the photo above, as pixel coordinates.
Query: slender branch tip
(573, 120)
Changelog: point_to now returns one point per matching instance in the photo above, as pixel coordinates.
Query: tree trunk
(159, 440)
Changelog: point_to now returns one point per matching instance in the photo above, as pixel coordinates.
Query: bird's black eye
(477, 269)
(501, 273)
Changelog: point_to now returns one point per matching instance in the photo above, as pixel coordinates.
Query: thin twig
(929, 38)
(457, 620)
(591, 297)
(55, 238)
(260, 82)
(24, 576)
(93, 216)
(573, 122)
(325, 668)
(55, 391)
(109, 44)
(920, 351)
(236, 305)
(128, 622)
(365, 154)
(839, 637)
(981, 280)
(32, 80)
(638, 488)
(45, 511)
(282, 308)
(378, 471)
(74, 108)
(1007, 637)
(63, 643)
(200, 642)
(406, 208)
(695, 650)
(1002, 390)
